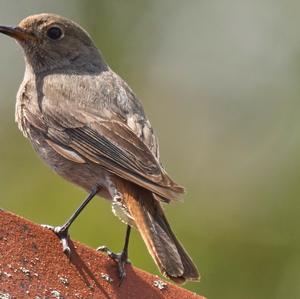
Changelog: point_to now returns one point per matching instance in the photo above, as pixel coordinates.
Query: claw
(62, 235)
(119, 258)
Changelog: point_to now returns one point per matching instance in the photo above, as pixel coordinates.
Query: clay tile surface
(32, 265)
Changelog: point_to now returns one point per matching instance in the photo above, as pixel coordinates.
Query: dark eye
(54, 33)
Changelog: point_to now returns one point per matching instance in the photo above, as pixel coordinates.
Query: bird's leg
(119, 258)
(62, 231)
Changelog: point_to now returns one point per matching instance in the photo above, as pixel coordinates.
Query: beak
(17, 33)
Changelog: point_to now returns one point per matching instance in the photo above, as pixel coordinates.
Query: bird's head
(52, 42)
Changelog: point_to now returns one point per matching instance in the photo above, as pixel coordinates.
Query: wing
(103, 136)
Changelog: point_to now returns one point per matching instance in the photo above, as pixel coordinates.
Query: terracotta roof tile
(32, 265)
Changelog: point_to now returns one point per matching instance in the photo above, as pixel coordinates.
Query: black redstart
(87, 124)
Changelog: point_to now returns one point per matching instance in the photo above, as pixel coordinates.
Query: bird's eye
(54, 33)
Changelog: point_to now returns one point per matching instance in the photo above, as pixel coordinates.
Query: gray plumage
(86, 123)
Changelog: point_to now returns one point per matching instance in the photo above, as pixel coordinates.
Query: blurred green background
(220, 83)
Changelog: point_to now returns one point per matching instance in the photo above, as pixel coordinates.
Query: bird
(87, 124)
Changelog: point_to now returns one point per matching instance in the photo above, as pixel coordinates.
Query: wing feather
(101, 132)
(132, 161)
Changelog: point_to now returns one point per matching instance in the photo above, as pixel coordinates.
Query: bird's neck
(77, 64)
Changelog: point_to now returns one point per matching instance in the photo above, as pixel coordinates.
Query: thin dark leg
(119, 258)
(127, 236)
(62, 231)
(81, 207)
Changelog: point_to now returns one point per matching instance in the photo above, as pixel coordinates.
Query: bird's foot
(119, 258)
(63, 235)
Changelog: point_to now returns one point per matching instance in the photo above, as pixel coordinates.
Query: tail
(168, 254)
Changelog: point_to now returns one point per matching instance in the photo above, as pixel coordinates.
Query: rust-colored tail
(169, 255)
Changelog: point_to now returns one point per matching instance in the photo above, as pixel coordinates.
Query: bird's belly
(86, 175)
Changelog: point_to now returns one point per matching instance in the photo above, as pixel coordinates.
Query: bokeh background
(220, 82)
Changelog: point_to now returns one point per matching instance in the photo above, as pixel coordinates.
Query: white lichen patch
(56, 294)
(64, 280)
(5, 274)
(25, 271)
(159, 284)
(5, 296)
(106, 277)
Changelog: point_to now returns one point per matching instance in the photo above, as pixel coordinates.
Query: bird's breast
(27, 112)
(21, 103)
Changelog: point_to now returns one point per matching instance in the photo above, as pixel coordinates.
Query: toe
(66, 247)
(50, 227)
(102, 248)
